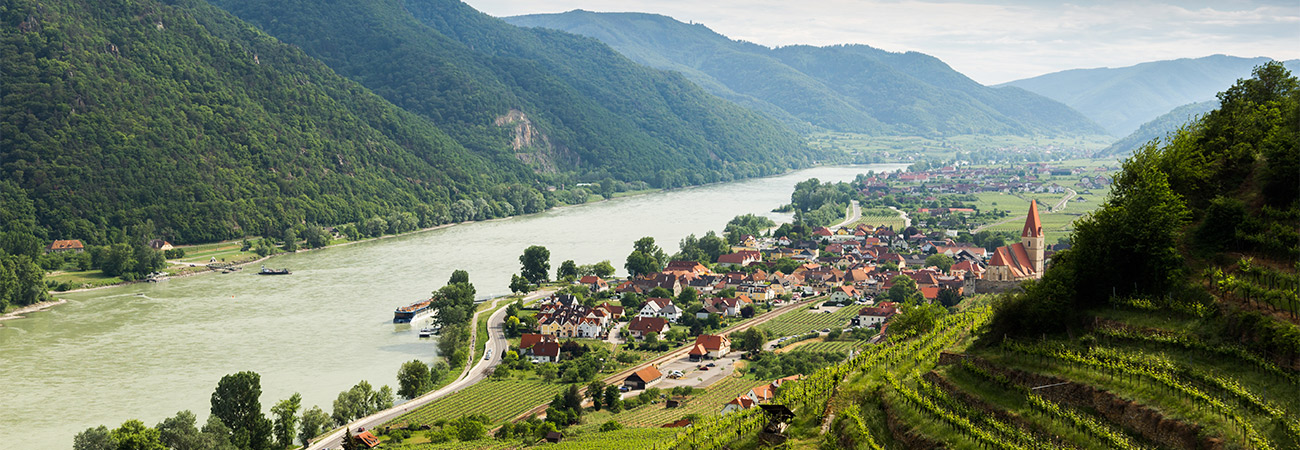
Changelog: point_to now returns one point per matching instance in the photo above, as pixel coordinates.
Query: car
(624, 389)
(826, 330)
(710, 365)
(704, 368)
(487, 356)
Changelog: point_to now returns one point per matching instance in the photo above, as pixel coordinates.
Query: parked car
(704, 368)
(826, 330)
(710, 365)
(624, 389)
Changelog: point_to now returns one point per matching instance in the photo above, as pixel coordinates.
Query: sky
(991, 42)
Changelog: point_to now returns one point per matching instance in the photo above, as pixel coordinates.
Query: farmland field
(708, 403)
(803, 320)
(499, 400)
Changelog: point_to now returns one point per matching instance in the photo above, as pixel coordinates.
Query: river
(146, 351)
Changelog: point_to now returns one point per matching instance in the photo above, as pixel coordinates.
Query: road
(478, 372)
(617, 379)
(854, 212)
(907, 220)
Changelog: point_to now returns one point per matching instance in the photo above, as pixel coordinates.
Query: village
(856, 269)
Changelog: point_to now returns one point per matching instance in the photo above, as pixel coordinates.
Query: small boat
(266, 271)
(426, 332)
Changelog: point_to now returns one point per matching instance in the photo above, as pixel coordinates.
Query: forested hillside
(843, 88)
(185, 120)
(588, 109)
(1160, 127)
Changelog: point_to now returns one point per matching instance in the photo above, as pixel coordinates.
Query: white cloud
(991, 42)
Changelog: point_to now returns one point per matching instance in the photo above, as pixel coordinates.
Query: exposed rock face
(532, 146)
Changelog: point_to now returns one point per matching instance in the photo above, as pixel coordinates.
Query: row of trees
(237, 422)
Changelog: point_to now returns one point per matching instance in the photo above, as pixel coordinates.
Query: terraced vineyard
(803, 320)
(498, 399)
(833, 346)
(629, 438)
(708, 403)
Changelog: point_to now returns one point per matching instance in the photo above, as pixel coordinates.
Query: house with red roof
(710, 346)
(528, 340)
(595, 283)
(639, 327)
(69, 245)
(642, 377)
(546, 351)
(739, 259)
(738, 403)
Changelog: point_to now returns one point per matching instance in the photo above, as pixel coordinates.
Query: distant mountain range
(1122, 99)
(843, 88)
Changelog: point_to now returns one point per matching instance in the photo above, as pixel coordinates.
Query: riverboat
(413, 312)
(266, 271)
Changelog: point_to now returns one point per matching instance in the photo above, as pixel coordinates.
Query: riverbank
(18, 313)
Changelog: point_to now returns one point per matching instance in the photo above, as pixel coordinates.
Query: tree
(97, 438)
(568, 269)
(235, 402)
(468, 429)
(603, 269)
(948, 298)
(596, 390)
(941, 261)
(646, 257)
(611, 425)
(459, 276)
(747, 311)
(535, 264)
(688, 297)
(286, 419)
(904, 290)
(413, 379)
(290, 240)
(613, 399)
(316, 236)
(134, 435)
(631, 302)
(513, 327)
(314, 422)
(916, 319)
(181, 433)
(519, 285)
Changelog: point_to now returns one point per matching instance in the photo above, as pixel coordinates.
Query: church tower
(1033, 239)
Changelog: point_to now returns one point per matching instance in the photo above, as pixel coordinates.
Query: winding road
(471, 374)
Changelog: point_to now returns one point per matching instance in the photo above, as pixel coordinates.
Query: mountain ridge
(888, 93)
(1123, 98)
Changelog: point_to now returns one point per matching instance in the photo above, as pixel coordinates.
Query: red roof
(647, 324)
(531, 339)
(647, 374)
(71, 244)
(369, 439)
(1033, 227)
(550, 349)
(712, 342)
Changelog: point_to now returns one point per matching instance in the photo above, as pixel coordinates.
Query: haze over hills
(1123, 98)
(182, 120)
(1160, 127)
(843, 88)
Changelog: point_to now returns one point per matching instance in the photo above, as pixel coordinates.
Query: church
(1024, 260)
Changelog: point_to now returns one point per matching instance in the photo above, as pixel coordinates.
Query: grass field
(878, 217)
(500, 400)
(803, 320)
(89, 278)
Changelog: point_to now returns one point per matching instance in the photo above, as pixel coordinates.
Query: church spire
(1033, 226)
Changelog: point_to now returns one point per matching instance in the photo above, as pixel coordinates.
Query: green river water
(146, 351)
